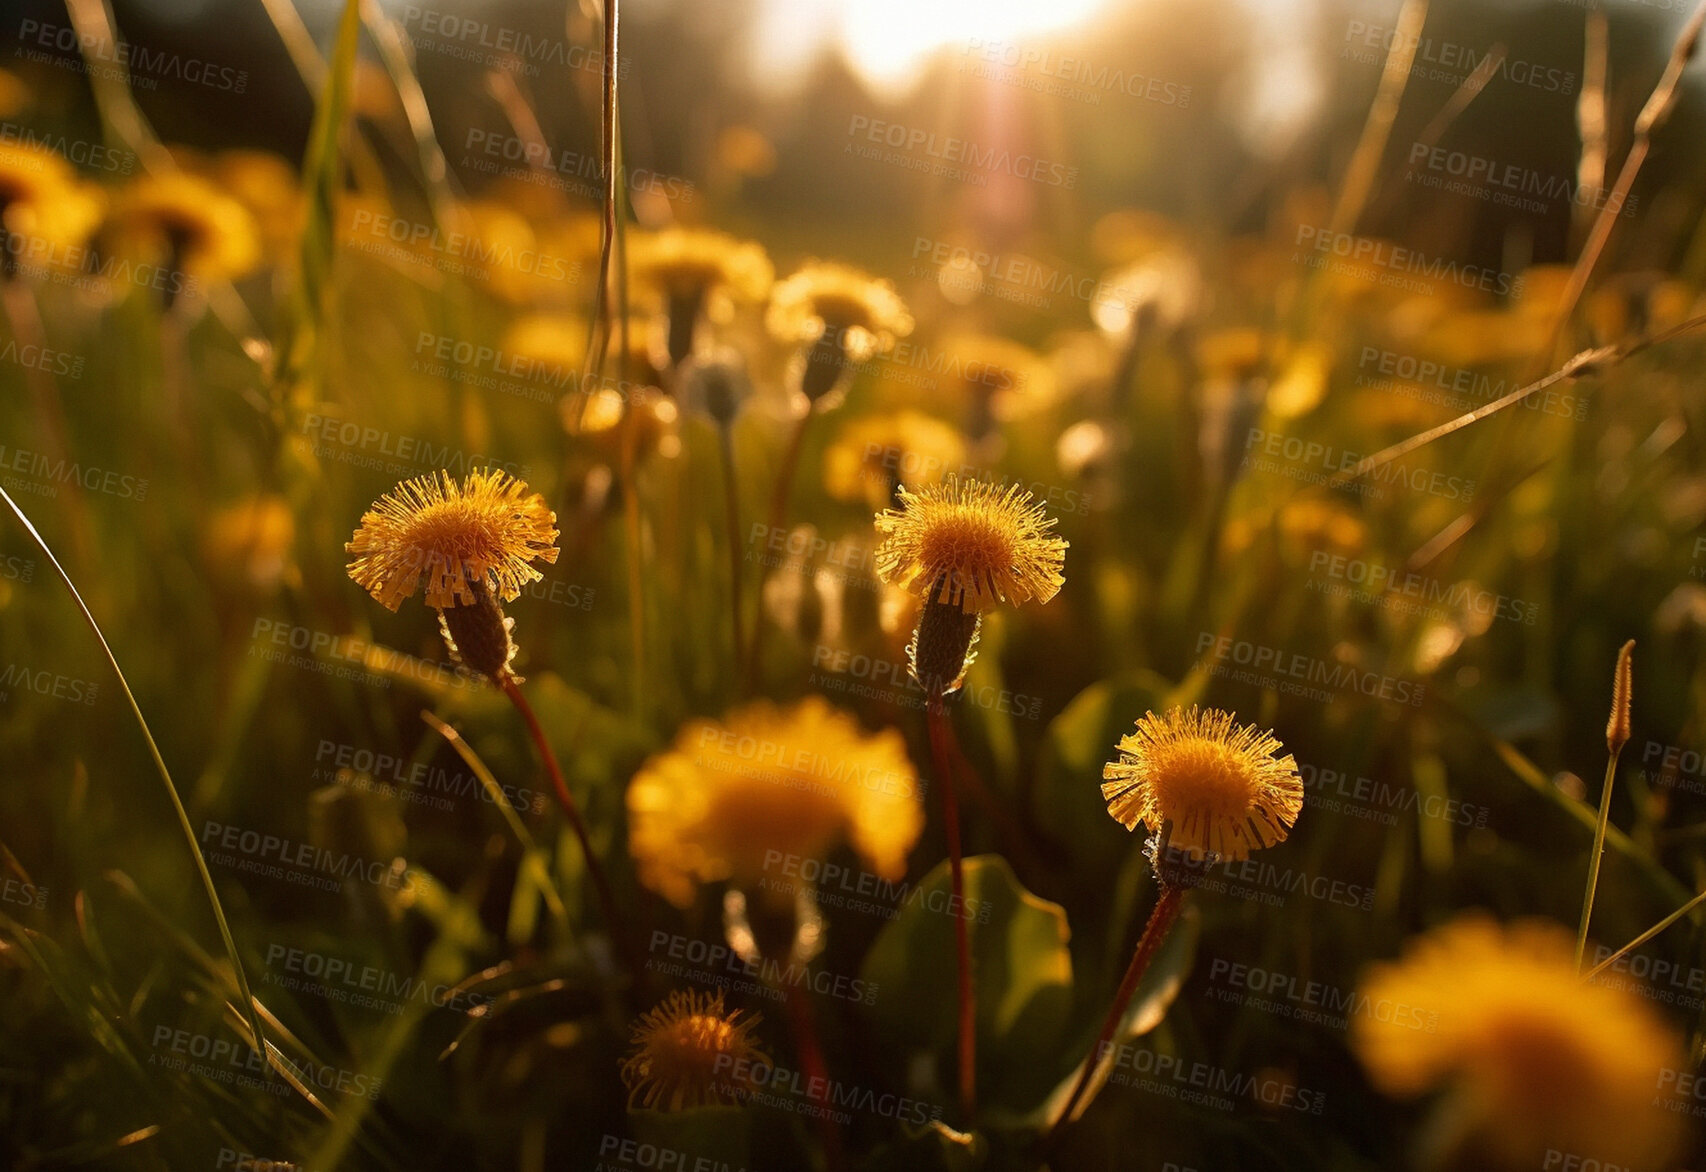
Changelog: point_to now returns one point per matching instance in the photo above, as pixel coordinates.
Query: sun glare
(888, 42)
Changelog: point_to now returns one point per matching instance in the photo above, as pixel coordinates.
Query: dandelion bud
(716, 385)
(478, 634)
(943, 646)
(1617, 728)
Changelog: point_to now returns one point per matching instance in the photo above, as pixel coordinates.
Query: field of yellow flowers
(852, 587)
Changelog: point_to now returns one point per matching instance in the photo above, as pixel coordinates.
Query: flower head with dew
(1532, 1059)
(691, 1052)
(732, 794)
(188, 225)
(964, 546)
(697, 274)
(841, 315)
(970, 544)
(44, 210)
(1211, 785)
(471, 545)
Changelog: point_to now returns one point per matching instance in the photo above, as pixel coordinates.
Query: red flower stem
(939, 734)
(817, 1073)
(606, 900)
(1160, 923)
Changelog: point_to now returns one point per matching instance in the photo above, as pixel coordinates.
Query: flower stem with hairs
(939, 733)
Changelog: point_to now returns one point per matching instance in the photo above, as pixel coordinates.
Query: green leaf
(1021, 974)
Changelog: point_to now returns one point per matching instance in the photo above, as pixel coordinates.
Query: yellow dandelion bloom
(266, 184)
(973, 544)
(999, 380)
(453, 537)
(873, 454)
(1216, 786)
(188, 224)
(796, 780)
(695, 261)
(14, 94)
(44, 209)
(1539, 1061)
(824, 299)
(691, 1052)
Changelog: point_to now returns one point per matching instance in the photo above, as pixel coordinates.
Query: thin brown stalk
(1616, 736)
(731, 497)
(1591, 118)
(1653, 115)
(938, 722)
(1371, 146)
(1644, 937)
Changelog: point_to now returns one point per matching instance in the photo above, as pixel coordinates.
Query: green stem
(938, 723)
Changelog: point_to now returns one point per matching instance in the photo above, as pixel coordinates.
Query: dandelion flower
(471, 544)
(187, 224)
(971, 544)
(691, 1052)
(1536, 1059)
(873, 456)
(843, 315)
(1215, 786)
(697, 273)
(44, 210)
(797, 780)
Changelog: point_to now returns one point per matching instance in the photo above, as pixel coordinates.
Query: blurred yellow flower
(971, 544)
(696, 274)
(999, 380)
(266, 184)
(873, 454)
(1215, 786)
(459, 539)
(186, 224)
(844, 315)
(249, 542)
(690, 1052)
(767, 783)
(45, 212)
(1537, 1060)
(14, 94)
